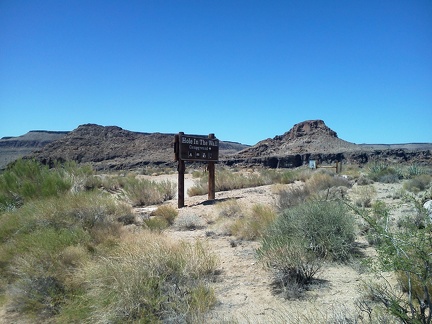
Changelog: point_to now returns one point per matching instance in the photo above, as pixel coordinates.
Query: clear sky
(245, 70)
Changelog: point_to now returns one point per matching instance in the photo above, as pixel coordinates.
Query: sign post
(195, 148)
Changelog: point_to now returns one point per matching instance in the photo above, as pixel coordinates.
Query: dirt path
(243, 288)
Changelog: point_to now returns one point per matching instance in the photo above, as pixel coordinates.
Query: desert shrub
(254, 223)
(51, 238)
(405, 251)
(414, 170)
(363, 180)
(142, 192)
(382, 172)
(417, 183)
(272, 176)
(230, 208)
(163, 217)
(302, 237)
(28, 179)
(363, 195)
(188, 222)
(166, 212)
(157, 224)
(379, 215)
(323, 180)
(292, 196)
(41, 295)
(147, 279)
(155, 170)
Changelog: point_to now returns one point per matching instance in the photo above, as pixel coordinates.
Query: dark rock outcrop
(313, 140)
(113, 148)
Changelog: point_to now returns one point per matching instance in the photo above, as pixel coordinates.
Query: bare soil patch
(243, 288)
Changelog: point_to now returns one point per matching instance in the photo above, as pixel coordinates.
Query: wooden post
(211, 179)
(181, 171)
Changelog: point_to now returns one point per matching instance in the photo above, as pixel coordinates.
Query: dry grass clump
(418, 183)
(292, 196)
(227, 180)
(363, 195)
(147, 278)
(163, 217)
(139, 192)
(230, 208)
(323, 180)
(247, 223)
(254, 223)
(189, 222)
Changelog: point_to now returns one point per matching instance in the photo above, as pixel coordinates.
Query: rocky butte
(312, 139)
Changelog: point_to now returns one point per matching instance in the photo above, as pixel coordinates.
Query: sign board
(198, 148)
(312, 164)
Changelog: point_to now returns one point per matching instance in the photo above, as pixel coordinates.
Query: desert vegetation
(68, 253)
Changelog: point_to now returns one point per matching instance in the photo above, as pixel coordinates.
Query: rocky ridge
(113, 148)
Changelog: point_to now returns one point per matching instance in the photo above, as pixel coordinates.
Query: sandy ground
(243, 287)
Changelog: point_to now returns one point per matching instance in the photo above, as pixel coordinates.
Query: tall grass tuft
(254, 223)
(148, 278)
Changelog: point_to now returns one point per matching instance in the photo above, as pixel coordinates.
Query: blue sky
(245, 70)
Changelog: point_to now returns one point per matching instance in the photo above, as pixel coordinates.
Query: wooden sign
(198, 148)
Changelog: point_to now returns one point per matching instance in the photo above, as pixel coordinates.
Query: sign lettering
(198, 148)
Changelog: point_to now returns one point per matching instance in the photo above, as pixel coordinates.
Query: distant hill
(12, 148)
(114, 148)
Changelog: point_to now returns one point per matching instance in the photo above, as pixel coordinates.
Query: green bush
(405, 251)
(382, 172)
(414, 170)
(27, 179)
(302, 237)
(44, 242)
